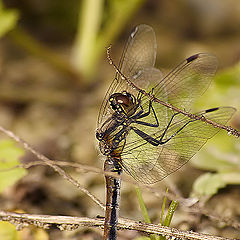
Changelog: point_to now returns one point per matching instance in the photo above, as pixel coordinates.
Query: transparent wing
(136, 63)
(148, 164)
(140, 52)
(182, 86)
(188, 81)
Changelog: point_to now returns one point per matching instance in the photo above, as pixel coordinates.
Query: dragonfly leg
(150, 108)
(145, 136)
(169, 123)
(150, 139)
(173, 135)
(155, 141)
(141, 113)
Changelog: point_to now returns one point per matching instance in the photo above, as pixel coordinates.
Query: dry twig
(72, 223)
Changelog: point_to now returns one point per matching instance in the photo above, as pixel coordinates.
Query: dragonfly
(144, 125)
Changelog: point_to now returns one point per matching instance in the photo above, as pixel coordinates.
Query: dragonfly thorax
(123, 103)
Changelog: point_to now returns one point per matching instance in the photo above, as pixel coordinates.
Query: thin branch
(50, 163)
(72, 223)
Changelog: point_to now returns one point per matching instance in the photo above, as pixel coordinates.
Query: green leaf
(209, 162)
(144, 210)
(171, 210)
(163, 222)
(9, 158)
(163, 208)
(142, 205)
(229, 77)
(221, 154)
(8, 231)
(208, 184)
(8, 19)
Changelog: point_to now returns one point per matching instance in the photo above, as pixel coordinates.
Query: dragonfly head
(123, 103)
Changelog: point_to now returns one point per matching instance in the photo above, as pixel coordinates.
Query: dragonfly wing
(140, 51)
(139, 54)
(147, 163)
(188, 81)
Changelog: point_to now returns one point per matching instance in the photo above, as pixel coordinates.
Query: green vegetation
(9, 158)
(164, 222)
(8, 19)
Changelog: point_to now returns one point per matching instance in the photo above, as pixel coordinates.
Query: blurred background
(53, 78)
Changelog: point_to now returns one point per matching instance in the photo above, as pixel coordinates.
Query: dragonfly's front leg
(141, 114)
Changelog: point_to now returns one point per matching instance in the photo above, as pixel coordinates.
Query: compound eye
(123, 100)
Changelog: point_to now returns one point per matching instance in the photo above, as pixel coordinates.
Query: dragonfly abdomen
(113, 196)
